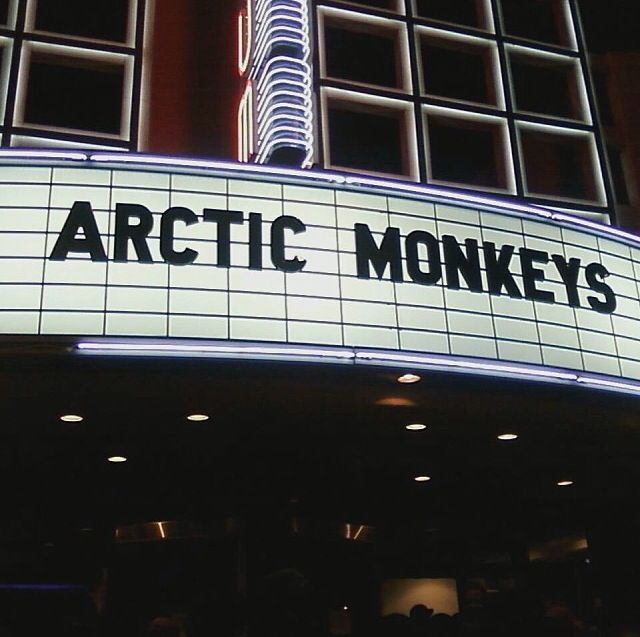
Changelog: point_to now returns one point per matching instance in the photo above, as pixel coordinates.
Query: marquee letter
(457, 262)
(569, 271)
(80, 219)
(498, 273)
(531, 275)
(594, 272)
(137, 234)
(223, 219)
(167, 236)
(367, 252)
(278, 257)
(255, 241)
(412, 243)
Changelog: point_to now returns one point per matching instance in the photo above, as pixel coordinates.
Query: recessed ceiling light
(197, 417)
(415, 426)
(71, 418)
(395, 401)
(407, 379)
(508, 437)
(565, 483)
(422, 478)
(116, 459)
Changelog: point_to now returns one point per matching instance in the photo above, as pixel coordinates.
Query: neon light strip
(180, 162)
(610, 384)
(467, 365)
(363, 182)
(284, 98)
(44, 155)
(415, 362)
(244, 55)
(245, 124)
(212, 350)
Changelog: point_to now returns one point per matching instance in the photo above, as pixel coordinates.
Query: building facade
(388, 359)
(437, 93)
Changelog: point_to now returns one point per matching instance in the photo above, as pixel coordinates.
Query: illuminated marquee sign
(126, 247)
(459, 259)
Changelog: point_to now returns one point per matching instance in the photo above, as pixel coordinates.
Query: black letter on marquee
(456, 262)
(137, 234)
(80, 218)
(412, 243)
(167, 229)
(223, 219)
(278, 258)
(569, 272)
(594, 272)
(531, 275)
(255, 241)
(498, 274)
(387, 254)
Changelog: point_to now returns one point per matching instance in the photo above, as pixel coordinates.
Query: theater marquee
(119, 248)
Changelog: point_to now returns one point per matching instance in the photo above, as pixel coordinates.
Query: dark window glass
(366, 141)
(541, 20)
(390, 5)
(601, 86)
(466, 153)
(458, 74)
(4, 11)
(100, 19)
(558, 165)
(361, 57)
(75, 94)
(617, 175)
(549, 89)
(464, 12)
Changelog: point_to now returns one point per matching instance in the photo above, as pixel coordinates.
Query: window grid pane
(503, 57)
(92, 52)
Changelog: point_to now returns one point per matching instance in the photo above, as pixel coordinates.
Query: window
(76, 93)
(483, 78)
(468, 152)
(471, 13)
(369, 56)
(4, 11)
(367, 137)
(79, 81)
(541, 20)
(556, 85)
(459, 69)
(388, 5)
(559, 164)
(97, 19)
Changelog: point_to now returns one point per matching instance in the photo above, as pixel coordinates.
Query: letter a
(80, 219)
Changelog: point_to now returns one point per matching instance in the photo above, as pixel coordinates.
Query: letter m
(388, 253)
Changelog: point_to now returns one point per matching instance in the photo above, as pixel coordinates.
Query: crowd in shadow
(286, 606)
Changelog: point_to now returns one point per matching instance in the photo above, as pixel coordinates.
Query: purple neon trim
(44, 154)
(361, 182)
(412, 361)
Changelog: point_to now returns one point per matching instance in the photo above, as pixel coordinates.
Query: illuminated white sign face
(123, 251)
